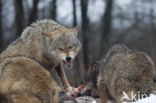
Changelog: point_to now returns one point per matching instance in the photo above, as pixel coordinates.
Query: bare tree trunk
(85, 31)
(53, 12)
(74, 14)
(1, 29)
(79, 71)
(34, 11)
(106, 27)
(19, 17)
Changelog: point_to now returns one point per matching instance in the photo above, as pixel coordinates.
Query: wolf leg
(103, 92)
(62, 76)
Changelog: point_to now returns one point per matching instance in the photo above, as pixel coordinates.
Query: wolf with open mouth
(43, 46)
(65, 47)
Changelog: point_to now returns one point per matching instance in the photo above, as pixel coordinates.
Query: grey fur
(34, 54)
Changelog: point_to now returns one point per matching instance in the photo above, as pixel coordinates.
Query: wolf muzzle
(68, 62)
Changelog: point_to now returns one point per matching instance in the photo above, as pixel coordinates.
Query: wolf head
(63, 45)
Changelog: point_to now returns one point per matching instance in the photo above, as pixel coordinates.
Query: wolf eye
(60, 49)
(70, 47)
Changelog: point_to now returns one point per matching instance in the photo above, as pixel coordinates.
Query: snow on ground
(86, 99)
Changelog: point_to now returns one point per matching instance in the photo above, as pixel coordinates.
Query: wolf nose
(68, 59)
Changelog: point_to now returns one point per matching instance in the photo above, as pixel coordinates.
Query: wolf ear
(48, 34)
(75, 30)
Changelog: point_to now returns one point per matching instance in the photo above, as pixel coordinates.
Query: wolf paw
(74, 92)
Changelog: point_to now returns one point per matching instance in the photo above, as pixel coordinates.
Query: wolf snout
(68, 62)
(68, 59)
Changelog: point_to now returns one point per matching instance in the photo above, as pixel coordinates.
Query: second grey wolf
(122, 71)
(26, 63)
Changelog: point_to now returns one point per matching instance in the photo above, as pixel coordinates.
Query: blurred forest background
(101, 23)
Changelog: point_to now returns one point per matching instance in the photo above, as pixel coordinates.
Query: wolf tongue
(69, 62)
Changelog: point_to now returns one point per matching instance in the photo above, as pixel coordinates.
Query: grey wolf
(26, 64)
(123, 70)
